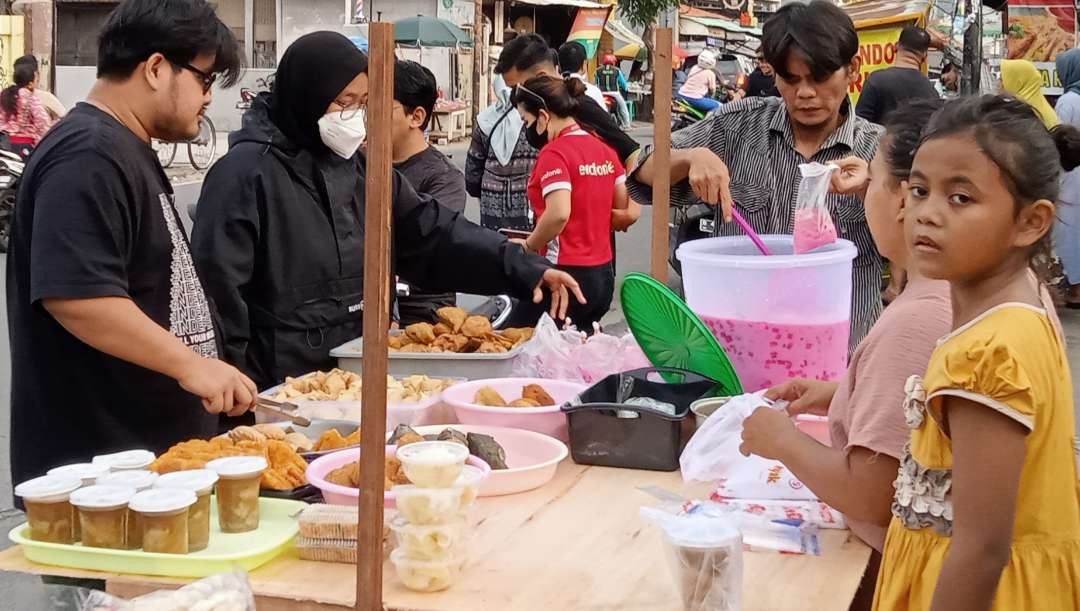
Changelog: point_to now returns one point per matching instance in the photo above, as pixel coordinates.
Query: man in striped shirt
(748, 153)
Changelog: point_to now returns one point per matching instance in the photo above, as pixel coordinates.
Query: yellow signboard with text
(877, 51)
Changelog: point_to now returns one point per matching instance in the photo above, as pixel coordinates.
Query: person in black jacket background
(279, 234)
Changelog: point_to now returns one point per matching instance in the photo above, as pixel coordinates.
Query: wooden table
(576, 543)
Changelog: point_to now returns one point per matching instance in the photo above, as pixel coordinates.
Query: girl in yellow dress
(986, 513)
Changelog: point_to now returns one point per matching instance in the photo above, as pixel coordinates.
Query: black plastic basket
(605, 431)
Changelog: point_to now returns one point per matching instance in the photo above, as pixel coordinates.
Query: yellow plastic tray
(278, 527)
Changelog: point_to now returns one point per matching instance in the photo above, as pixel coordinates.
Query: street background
(24, 593)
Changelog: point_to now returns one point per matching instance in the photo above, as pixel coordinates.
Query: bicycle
(201, 148)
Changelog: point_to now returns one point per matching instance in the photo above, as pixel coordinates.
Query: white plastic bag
(223, 592)
(712, 454)
(814, 226)
(569, 355)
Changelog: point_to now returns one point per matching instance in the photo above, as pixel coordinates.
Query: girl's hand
(766, 432)
(852, 178)
(804, 396)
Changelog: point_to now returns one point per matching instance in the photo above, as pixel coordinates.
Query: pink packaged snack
(813, 224)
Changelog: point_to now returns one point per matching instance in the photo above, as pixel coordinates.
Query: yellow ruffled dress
(1011, 360)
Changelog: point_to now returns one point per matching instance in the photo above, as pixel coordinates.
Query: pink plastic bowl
(815, 426)
(532, 458)
(343, 495)
(547, 420)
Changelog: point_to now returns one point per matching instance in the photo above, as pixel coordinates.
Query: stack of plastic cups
(432, 523)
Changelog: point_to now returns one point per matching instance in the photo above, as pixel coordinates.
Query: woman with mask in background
(279, 233)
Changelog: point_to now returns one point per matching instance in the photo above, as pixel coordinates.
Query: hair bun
(1067, 140)
(574, 86)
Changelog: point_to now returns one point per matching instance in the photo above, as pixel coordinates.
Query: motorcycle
(613, 109)
(687, 223)
(11, 170)
(684, 114)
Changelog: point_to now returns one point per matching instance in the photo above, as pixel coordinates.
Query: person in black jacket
(279, 233)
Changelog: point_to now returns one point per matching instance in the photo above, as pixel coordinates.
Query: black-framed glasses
(207, 79)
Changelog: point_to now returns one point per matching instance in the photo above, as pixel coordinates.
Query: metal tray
(350, 356)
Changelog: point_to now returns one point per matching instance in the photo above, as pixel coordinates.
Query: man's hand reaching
(560, 284)
(710, 180)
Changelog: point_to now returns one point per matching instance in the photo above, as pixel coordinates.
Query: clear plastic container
(201, 482)
(87, 472)
(103, 515)
(238, 491)
(779, 316)
(126, 461)
(139, 480)
(48, 508)
(469, 481)
(428, 505)
(429, 541)
(426, 575)
(164, 513)
(705, 555)
(433, 464)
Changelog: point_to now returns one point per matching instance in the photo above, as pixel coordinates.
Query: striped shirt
(755, 140)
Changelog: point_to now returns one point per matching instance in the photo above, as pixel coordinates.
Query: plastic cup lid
(200, 481)
(162, 500)
(48, 488)
(702, 532)
(238, 467)
(102, 497)
(433, 452)
(470, 475)
(130, 459)
(671, 335)
(85, 471)
(139, 479)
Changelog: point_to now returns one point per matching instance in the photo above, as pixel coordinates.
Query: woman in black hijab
(279, 234)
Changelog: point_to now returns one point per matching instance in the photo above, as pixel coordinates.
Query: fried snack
(395, 475)
(451, 343)
(299, 442)
(523, 402)
(349, 475)
(538, 394)
(335, 385)
(442, 329)
(518, 335)
(453, 435)
(410, 437)
(271, 431)
(353, 438)
(246, 433)
(491, 348)
(452, 317)
(489, 397)
(476, 327)
(286, 467)
(395, 342)
(415, 348)
(330, 440)
(421, 332)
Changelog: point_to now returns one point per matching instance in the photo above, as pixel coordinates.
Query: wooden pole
(479, 67)
(377, 185)
(661, 67)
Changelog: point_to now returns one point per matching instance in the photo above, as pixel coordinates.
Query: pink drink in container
(777, 317)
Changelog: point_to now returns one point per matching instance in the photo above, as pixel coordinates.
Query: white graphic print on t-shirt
(189, 312)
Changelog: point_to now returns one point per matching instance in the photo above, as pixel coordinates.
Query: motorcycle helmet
(609, 60)
(707, 59)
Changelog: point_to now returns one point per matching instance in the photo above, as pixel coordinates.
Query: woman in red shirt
(24, 118)
(578, 195)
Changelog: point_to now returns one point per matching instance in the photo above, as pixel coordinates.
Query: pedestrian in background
(56, 108)
(762, 81)
(1067, 225)
(1022, 80)
(887, 89)
(24, 119)
(700, 85)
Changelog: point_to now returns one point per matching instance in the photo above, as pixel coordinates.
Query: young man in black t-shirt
(113, 344)
(885, 90)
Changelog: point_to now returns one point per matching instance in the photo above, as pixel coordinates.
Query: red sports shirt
(582, 164)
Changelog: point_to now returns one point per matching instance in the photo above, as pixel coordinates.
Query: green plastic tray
(671, 335)
(278, 527)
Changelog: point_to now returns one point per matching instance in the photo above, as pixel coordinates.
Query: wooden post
(377, 204)
(661, 66)
(479, 69)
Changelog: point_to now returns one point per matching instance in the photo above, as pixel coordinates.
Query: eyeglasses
(536, 96)
(349, 111)
(208, 80)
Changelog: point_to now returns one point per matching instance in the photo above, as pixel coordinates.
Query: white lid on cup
(199, 481)
(238, 467)
(127, 460)
(85, 471)
(139, 480)
(162, 500)
(102, 497)
(48, 488)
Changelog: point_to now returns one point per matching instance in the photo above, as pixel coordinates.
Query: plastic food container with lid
(429, 541)
(103, 515)
(127, 460)
(238, 491)
(48, 507)
(139, 480)
(433, 464)
(87, 472)
(201, 482)
(426, 575)
(164, 513)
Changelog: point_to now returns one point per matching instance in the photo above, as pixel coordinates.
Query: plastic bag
(569, 355)
(811, 512)
(712, 454)
(705, 555)
(223, 592)
(813, 224)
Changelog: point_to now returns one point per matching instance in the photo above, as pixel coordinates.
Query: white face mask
(343, 136)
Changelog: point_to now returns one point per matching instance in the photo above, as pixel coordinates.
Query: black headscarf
(312, 72)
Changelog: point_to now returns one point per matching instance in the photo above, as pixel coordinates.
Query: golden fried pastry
(286, 467)
(410, 437)
(421, 332)
(452, 317)
(271, 431)
(538, 394)
(349, 475)
(330, 440)
(353, 438)
(518, 335)
(476, 326)
(395, 342)
(490, 348)
(451, 343)
(442, 329)
(489, 397)
(523, 402)
(300, 442)
(415, 348)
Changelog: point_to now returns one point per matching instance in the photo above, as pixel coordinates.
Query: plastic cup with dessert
(426, 575)
(238, 491)
(429, 541)
(140, 480)
(128, 460)
(49, 513)
(428, 505)
(103, 514)
(164, 514)
(201, 482)
(87, 472)
(433, 464)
